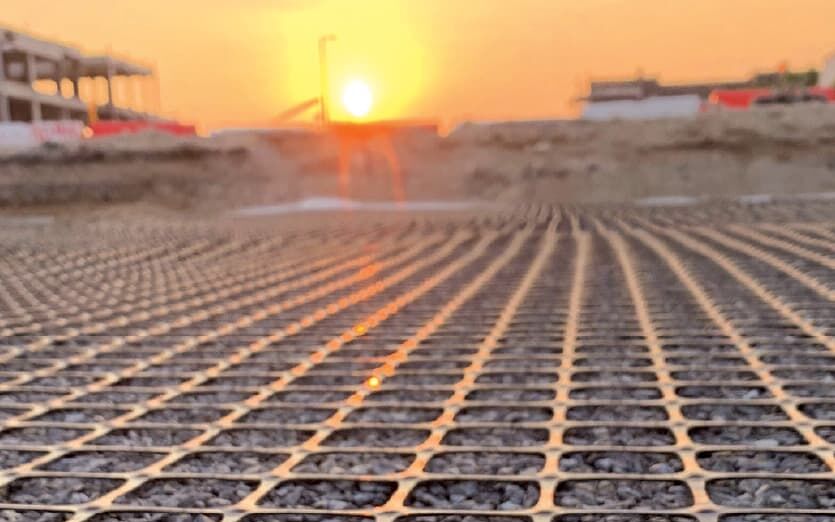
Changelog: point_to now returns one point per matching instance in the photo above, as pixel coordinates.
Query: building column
(139, 103)
(110, 88)
(32, 77)
(5, 110)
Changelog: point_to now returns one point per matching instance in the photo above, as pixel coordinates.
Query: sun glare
(357, 98)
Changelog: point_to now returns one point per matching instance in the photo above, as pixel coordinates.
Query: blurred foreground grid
(539, 364)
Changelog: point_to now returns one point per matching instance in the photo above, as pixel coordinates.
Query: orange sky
(241, 61)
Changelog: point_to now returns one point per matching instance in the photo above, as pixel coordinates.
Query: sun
(357, 98)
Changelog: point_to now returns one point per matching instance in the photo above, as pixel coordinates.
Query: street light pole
(323, 76)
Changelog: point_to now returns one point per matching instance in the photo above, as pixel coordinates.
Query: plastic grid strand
(598, 363)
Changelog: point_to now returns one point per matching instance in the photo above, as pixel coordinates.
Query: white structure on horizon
(827, 74)
(651, 108)
(26, 61)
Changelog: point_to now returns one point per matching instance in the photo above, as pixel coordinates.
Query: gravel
(765, 461)
(483, 463)
(805, 374)
(505, 395)
(235, 381)
(259, 438)
(706, 362)
(734, 412)
(782, 517)
(501, 437)
(19, 365)
(713, 376)
(623, 494)
(827, 433)
(528, 350)
(797, 359)
(395, 415)
(460, 518)
(305, 517)
(525, 378)
(18, 397)
(819, 410)
(352, 366)
(34, 435)
(187, 493)
(818, 390)
(699, 348)
(63, 381)
(499, 414)
(612, 350)
(757, 436)
(424, 379)
(615, 394)
(474, 495)
(328, 380)
(8, 413)
(153, 517)
(309, 397)
(13, 458)
(274, 367)
(433, 365)
(376, 437)
(102, 461)
(522, 364)
(723, 392)
(288, 415)
(773, 493)
(152, 382)
(621, 462)
(14, 515)
(184, 415)
(603, 412)
(184, 368)
(80, 415)
(145, 437)
(55, 491)
(409, 396)
(228, 462)
(355, 463)
(212, 398)
(614, 377)
(625, 518)
(612, 362)
(116, 397)
(618, 436)
(329, 494)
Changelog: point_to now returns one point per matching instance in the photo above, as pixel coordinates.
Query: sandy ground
(774, 151)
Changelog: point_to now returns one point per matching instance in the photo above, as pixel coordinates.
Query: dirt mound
(774, 151)
(770, 151)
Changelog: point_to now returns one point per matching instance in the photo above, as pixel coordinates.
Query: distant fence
(114, 127)
(21, 135)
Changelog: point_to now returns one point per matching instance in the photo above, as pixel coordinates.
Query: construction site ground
(524, 364)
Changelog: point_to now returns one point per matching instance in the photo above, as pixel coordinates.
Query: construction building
(646, 98)
(42, 80)
(643, 88)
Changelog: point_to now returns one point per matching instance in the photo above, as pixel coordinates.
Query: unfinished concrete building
(42, 80)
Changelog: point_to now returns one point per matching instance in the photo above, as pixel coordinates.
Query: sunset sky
(225, 62)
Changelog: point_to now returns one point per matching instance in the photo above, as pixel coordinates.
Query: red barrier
(736, 99)
(744, 98)
(113, 127)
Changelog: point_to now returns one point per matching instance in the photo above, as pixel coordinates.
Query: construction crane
(294, 111)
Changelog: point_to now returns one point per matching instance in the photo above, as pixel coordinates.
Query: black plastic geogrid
(566, 365)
